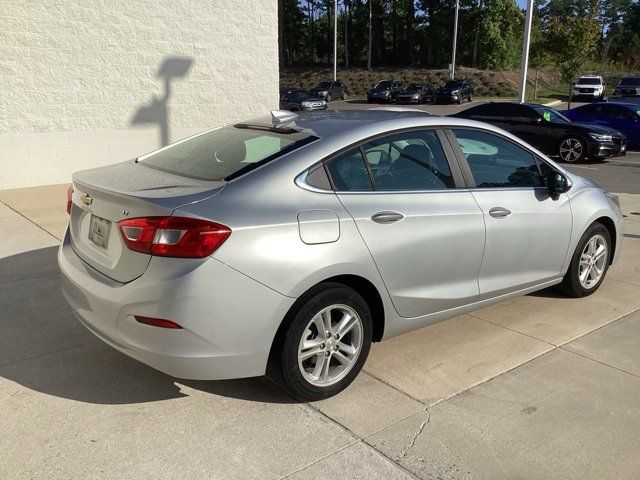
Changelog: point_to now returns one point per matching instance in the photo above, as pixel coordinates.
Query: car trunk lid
(104, 196)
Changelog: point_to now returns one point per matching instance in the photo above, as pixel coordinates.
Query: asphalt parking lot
(540, 387)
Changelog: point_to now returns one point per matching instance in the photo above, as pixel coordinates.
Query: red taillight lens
(69, 199)
(157, 322)
(173, 236)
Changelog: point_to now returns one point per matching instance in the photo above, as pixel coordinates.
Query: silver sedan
(288, 244)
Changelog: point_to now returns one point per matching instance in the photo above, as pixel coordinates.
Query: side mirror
(557, 183)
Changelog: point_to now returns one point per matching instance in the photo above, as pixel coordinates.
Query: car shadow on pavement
(44, 348)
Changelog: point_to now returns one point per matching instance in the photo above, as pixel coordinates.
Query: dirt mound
(358, 80)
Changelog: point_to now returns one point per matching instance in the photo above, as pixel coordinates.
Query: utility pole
(452, 74)
(525, 51)
(335, 40)
(370, 26)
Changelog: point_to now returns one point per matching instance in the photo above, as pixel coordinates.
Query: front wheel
(328, 98)
(572, 150)
(589, 264)
(344, 96)
(323, 343)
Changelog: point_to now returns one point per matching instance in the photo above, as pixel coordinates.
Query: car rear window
(227, 152)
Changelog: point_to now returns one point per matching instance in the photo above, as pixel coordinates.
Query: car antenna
(282, 117)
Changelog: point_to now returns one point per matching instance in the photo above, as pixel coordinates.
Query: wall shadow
(43, 347)
(157, 110)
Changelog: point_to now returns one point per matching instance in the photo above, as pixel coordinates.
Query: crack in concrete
(415, 437)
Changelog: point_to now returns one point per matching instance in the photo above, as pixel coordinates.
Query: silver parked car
(287, 244)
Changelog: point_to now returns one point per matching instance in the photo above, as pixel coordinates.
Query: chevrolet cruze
(288, 244)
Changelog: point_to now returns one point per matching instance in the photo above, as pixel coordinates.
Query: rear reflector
(173, 236)
(69, 198)
(157, 322)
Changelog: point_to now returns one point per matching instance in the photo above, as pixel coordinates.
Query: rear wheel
(572, 150)
(328, 97)
(344, 95)
(589, 264)
(323, 343)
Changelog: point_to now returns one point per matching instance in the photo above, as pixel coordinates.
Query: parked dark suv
(549, 131)
(416, 93)
(454, 91)
(296, 99)
(385, 91)
(627, 90)
(328, 90)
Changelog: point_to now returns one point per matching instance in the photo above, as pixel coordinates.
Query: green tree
(500, 34)
(571, 41)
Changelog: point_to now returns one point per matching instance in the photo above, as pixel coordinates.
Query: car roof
(356, 123)
(634, 106)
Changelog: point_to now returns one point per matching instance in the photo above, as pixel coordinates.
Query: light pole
(335, 40)
(455, 41)
(525, 51)
(369, 53)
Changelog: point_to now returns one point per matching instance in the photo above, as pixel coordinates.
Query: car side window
(409, 161)
(588, 110)
(349, 172)
(497, 163)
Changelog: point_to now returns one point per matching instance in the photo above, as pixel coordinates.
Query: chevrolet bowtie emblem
(86, 198)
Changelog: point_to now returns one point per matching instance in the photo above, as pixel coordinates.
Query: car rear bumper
(229, 320)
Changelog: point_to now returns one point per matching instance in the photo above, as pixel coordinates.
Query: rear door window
(349, 172)
(409, 161)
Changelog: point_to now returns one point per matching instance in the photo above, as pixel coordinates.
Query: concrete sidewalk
(538, 387)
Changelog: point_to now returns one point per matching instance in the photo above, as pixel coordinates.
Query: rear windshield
(589, 81)
(228, 152)
(630, 82)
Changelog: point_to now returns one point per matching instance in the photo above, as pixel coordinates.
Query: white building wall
(83, 82)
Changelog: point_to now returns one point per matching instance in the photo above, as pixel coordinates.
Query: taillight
(157, 322)
(173, 236)
(69, 198)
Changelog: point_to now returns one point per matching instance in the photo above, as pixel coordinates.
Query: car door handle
(499, 212)
(387, 217)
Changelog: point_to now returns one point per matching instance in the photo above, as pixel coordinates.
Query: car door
(528, 125)
(425, 234)
(527, 229)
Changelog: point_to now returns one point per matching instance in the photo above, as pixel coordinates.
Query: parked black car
(549, 131)
(628, 89)
(416, 93)
(300, 100)
(454, 91)
(328, 90)
(385, 91)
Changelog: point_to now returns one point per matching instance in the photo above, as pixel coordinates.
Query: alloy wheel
(571, 150)
(330, 345)
(593, 262)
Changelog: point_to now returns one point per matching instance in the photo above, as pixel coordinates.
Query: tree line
(388, 33)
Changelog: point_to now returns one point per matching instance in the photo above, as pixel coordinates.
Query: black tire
(571, 285)
(283, 367)
(469, 98)
(344, 96)
(572, 140)
(328, 97)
